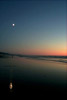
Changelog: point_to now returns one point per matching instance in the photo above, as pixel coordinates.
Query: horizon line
(30, 54)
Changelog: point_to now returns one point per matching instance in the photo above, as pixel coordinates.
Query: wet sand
(32, 77)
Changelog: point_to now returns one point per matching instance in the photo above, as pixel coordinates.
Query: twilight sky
(40, 27)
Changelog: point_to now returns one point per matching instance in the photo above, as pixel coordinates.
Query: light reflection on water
(11, 86)
(32, 70)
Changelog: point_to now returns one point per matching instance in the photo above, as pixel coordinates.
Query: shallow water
(17, 74)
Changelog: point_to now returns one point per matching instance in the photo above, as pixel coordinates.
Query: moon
(13, 25)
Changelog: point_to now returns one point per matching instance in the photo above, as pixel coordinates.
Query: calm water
(29, 75)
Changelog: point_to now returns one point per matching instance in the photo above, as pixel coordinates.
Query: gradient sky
(40, 27)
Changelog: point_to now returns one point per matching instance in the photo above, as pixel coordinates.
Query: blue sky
(40, 26)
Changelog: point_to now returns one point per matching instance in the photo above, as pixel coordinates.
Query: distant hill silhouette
(4, 54)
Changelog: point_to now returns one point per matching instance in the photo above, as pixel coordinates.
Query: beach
(26, 75)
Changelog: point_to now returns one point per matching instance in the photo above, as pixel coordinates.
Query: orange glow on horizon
(44, 52)
(49, 51)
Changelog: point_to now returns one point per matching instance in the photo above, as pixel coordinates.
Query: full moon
(13, 25)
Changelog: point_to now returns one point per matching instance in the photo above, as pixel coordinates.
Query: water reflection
(11, 86)
(31, 74)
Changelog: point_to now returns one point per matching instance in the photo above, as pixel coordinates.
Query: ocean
(33, 75)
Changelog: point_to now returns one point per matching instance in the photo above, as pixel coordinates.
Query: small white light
(13, 24)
